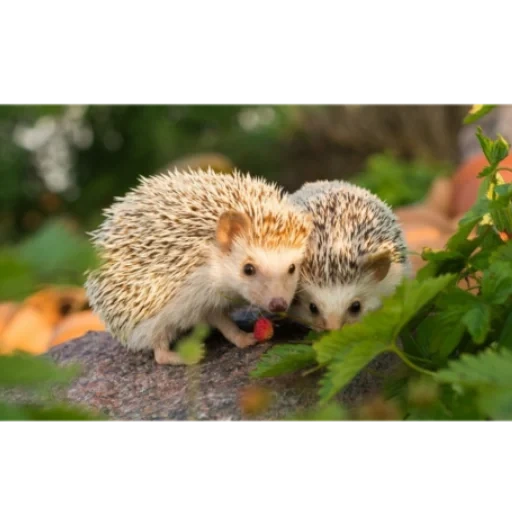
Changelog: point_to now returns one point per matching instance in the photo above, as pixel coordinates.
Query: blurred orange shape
(28, 330)
(7, 310)
(76, 325)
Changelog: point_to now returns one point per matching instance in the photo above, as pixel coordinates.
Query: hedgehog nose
(278, 305)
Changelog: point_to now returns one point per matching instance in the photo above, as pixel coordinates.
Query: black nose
(278, 305)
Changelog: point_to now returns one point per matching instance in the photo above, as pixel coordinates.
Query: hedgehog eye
(313, 308)
(249, 270)
(354, 308)
(291, 270)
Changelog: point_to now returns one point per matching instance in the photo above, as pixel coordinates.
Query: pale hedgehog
(183, 247)
(356, 254)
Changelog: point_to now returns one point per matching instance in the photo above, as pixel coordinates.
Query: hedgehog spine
(183, 247)
(356, 254)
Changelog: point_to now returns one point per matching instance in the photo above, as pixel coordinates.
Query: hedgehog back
(349, 223)
(156, 235)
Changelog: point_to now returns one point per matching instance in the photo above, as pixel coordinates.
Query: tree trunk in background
(331, 142)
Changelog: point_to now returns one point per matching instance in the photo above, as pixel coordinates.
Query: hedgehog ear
(378, 265)
(230, 225)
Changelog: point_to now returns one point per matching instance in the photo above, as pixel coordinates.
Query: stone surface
(131, 386)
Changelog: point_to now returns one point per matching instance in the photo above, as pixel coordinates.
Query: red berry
(263, 329)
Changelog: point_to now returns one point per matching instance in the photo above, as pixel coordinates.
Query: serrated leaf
(497, 282)
(496, 403)
(500, 150)
(348, 350)
(441, 333)
(377, 327)
(347, 364)
(24, 370)
(487, 368)
(477, 112)
(478, 322)
(192, 349)
(417, 294)
(285, 358)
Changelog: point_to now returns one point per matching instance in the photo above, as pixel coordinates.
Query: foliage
(398, 182)
(39, 376)
(74, 159)
(457, 339)
(55, 254)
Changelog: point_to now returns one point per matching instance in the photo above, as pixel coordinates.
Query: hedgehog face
(330, 306)
(265, 277)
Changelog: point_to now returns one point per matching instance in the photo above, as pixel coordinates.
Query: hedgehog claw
(166, 356)
(245, 340)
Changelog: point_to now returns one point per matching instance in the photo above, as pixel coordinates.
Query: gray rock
(130, 386)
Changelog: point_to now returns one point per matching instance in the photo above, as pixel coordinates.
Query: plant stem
(408, 362)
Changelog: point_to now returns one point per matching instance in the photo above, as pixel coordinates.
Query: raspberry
(263, 329)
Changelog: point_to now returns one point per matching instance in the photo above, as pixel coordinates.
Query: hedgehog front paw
(166, 356)
(244, 340)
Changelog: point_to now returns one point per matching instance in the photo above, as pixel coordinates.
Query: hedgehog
(185, 247)
(356, 255)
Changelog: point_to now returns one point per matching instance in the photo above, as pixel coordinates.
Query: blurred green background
(61, 165)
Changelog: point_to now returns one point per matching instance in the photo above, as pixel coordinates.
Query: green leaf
(503, 253)
(347, 364)
(349, 350)
(57, 254)
(377, 327)
(486, 144)
(496, 403)
(58, 413)
(441, 333)
(17, 278)
(440, 262)
(478, 322)
(489, 373)
(284, 358)
(192, 348)
(487, 368)
(497, 282)
(505, 339)
(9, 412)
(477, 112)
(25, 370)
(486, 171)
(500, 150)
(418, 294)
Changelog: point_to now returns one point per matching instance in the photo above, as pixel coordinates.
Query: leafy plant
(39, 376)
(456, 337)
(396, 181)
(55, 254)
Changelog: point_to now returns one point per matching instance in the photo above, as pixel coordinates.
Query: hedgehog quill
(182, 248)
(356, 255)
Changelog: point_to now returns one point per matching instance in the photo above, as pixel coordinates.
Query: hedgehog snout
(278, 305)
